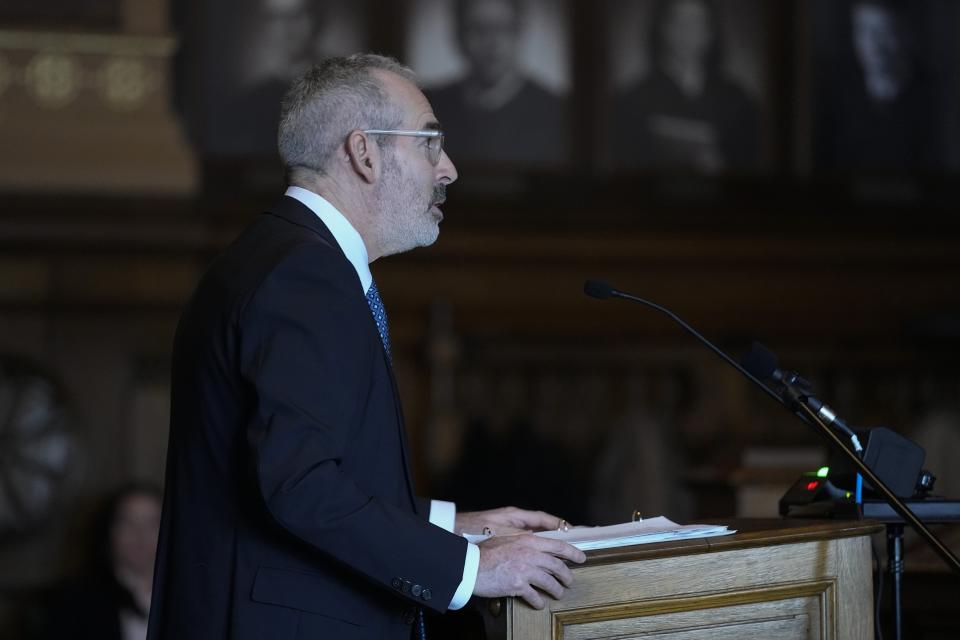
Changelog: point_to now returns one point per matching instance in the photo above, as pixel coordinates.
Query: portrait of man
(884, 84)
(687, 77)
(504, 101)
(246, 63)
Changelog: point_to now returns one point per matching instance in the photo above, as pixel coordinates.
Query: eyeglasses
(434, 139)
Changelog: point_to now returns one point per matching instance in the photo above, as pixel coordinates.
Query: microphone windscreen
(759, 361)
(598, 289)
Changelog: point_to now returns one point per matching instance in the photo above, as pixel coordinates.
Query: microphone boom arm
(803, 411)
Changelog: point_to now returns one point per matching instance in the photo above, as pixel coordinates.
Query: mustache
(439, 194)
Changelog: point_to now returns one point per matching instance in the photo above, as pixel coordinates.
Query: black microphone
(800, 408)
(758, 364)
(763, 364)
(603, 290)
(598, 289)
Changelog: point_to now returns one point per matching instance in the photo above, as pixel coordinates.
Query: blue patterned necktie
(419, 627)
(380, 317)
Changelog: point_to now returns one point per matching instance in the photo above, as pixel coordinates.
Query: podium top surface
(751, 532)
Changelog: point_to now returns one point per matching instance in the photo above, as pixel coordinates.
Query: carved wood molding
(824, 591)
(90, 112)
(53, 69)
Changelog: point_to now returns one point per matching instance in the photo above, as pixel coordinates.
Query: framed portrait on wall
(687, 87)
(499, 76)
(239, 57)
(883, 91)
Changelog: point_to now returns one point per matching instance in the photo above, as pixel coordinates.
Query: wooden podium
(783, 579)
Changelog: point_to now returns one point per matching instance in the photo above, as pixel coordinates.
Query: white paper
(658, 529)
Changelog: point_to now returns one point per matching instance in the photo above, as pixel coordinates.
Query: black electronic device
(896, 459)
(830, 493)
(814, 491)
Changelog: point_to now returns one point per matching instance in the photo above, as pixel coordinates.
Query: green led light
(822, 472)
(848, 495)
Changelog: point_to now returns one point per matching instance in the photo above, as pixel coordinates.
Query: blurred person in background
(274, 42)
(686, 112)
(497, 112)
(878, 109)
(281, 41)
(110, 600)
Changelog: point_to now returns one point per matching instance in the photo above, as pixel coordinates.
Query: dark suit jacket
(289, 510)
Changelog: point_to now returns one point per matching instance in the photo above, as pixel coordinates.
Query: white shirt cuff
(470, 569)
(443, 514)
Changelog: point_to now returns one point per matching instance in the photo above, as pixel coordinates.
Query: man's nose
(446, 172)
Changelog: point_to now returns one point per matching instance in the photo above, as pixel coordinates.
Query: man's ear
(364, 156)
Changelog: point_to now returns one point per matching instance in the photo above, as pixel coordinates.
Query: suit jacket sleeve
(308, 354)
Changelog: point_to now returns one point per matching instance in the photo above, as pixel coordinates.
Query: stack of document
(627, 534)
(645, 531)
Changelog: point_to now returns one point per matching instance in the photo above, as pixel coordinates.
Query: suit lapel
(295, 212)
(401, 424)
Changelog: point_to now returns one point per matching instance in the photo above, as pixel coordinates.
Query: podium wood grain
(774, 579)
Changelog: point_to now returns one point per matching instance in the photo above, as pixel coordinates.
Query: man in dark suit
(289, 510)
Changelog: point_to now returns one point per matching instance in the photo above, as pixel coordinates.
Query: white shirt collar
(343, 232)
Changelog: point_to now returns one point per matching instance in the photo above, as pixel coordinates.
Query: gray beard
(404, 221)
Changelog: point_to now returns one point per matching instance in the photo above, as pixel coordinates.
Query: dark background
(517, 388)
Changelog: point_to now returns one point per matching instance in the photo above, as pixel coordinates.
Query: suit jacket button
(397, 583)
(409, 616)
(406, 586)
(426, 595)
(416, 590)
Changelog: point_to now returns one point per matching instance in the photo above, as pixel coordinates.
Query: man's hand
(505, 520)
(525, 565)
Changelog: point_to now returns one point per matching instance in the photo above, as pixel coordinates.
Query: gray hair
(330, 100)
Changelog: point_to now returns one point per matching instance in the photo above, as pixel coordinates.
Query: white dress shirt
(442, 514)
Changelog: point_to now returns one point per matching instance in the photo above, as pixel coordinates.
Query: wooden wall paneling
(91, 111)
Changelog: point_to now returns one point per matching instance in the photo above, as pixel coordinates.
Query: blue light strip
(859, 489)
